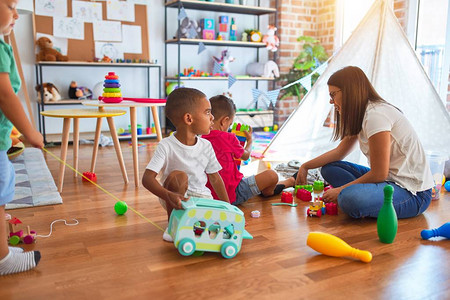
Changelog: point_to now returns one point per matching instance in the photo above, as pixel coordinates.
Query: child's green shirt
(7, 65)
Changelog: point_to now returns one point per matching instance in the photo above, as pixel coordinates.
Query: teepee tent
(380, 48)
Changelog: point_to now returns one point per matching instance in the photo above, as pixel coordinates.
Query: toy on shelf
(188, 29)
(208, 29)
(50, 92)
(111, 91)
(191, 72)
(255, 36)
(233, 30)
(239, 130)
(443, 231)
(267, 70)
(79, 92)
(46, 51)
(221, 225)
(223, 28)
(270, 39)
(224, 62)
(106, 59)
(171, 86)
(89, 175)
(387, 218)
(316, 208)
(17, 236)
(333, 246)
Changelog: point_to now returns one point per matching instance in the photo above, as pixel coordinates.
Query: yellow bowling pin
(331, 245)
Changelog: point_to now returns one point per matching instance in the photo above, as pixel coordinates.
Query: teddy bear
(76, 92)
(46, 51)
(51, 93)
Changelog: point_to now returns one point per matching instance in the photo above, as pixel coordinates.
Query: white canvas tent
(381, 49)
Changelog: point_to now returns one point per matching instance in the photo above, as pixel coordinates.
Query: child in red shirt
(227, 148)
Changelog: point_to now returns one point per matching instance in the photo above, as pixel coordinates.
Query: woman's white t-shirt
(408, 166)
(196, 161)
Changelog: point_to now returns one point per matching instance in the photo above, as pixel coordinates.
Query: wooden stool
(76, 114)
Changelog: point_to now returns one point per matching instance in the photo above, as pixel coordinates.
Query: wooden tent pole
(384, 6)
(12, 39)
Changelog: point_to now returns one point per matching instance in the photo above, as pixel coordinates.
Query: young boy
(186, 160)
(227, 147)
(12, 259)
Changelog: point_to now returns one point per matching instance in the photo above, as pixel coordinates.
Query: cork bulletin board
(84, 50)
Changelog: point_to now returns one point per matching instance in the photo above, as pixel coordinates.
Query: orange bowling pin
(331, 245)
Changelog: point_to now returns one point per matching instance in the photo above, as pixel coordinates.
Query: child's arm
(150, 183)
(13, 110)
(219, 187)
(248, 144)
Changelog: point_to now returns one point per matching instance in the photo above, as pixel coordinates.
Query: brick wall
(316, 19)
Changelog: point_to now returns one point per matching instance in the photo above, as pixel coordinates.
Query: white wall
(132, 80)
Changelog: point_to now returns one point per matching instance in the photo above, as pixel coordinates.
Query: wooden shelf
(62, 102)
(254, 112)
(221, 78)
(94, 64)
(221, 7)
(217, 43)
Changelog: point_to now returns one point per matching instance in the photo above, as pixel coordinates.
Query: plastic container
(437, 164)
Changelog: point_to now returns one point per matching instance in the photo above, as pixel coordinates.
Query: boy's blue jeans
(366, 199)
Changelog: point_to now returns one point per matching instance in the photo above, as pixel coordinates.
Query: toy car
(208, 225)
(316, 208)
(17, 236)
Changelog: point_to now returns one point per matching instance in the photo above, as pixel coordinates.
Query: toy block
(331, 208)
(304, 195)
(307, 187)
(287, 197)
(207, 24)
(223, 19)
(208, 34)
(223, 27)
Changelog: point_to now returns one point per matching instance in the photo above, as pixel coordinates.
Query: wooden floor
(124, 257)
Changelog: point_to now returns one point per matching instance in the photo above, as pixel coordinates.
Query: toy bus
(208, 225)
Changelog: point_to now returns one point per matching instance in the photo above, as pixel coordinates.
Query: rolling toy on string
(18, 236)
(120, 207)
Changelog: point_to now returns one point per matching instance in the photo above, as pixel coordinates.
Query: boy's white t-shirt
(408, 166)
(196, 161)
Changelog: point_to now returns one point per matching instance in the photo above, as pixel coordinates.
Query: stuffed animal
(270, 39)
(76, 92)
(46, 51)
(51, 93)
(267, 70)
(188, 29)
(17, 146)
(224, 62)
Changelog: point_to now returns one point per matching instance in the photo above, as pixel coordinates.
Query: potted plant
(311, 57)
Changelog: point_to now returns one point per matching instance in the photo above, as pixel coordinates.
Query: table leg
(98, 130)
(64, 144)
(76, 139)
(157, 124)
(134, 144)
(112, 129)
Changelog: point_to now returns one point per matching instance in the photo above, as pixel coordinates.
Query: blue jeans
(366, 199)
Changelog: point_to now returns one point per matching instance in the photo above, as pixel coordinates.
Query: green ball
(121, 207)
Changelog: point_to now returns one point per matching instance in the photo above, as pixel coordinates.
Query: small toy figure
(76, 92)
(270, 39)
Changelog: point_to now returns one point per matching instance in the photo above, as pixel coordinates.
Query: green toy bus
(208, 225)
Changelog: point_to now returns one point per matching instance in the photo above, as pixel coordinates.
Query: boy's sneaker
(167, 237)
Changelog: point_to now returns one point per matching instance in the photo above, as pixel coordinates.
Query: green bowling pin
(387, 218)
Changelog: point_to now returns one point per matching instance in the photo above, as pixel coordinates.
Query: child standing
(227, 148)
(12, 260)
(186, 160)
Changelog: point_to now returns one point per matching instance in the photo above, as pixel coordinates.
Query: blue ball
(447, 186)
